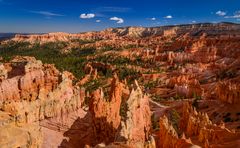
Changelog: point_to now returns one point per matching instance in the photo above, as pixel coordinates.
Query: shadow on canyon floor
(82, 132)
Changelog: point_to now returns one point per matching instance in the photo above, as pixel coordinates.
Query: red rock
(106, 112)
(135, 128)
(33, 93)
(229, 91)
(194, 123)
(168, 137)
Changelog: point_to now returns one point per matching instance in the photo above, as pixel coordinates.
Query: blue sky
(25, 16)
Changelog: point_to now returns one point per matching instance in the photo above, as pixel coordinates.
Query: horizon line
(157, 26)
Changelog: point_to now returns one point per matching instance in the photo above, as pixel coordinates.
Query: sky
(41, 16)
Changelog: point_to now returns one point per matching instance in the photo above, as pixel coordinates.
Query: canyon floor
(160, 87)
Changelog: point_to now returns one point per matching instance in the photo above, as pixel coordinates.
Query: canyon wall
(31, 92)
(134, 32)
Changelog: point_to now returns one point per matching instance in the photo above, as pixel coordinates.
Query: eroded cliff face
(229, 91)
(197, 124)
(168, 137)
(136, 125)
(106, 112)
(3, 72)
(197, 131)
(186, 85)
(50, 37)
(33, 92)
(132, 32)
(119, 120)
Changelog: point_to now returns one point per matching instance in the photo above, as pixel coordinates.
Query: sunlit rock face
(3, 72)
(229, 91)
(24, 136)
(50, 37)
(134, 32)
(33, 92)
(168, 137)
(106, 112)
(186, 85)
(196, 130)
(135, 128)
(197, 124)
(132, 126)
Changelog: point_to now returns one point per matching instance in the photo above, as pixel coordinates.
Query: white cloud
(194, 21)
(98, 21)
(87, 16)
(153, 18)
(168, 17)
(46, 13)
(236, 15)
(221, 13)
(119, 20)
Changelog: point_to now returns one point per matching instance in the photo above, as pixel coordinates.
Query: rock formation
(168, 137)
(134, 129)
(3, 72)
(197, 124)
(106, 112)
(229, 91)
(33, 92)
(136, 125)
(24, 136)
(50, 37)
(132, 32)
(186, 85)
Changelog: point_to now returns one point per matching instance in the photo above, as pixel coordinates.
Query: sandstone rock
(12, 136)
(3, 72)
(51, 37)
(135, 129)
(229, 91)
(194, 123)
(33, 93)
(171, 32)
(186, 85)
(90, 72)
(106, 112)
(20, 137)
(168, 137)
